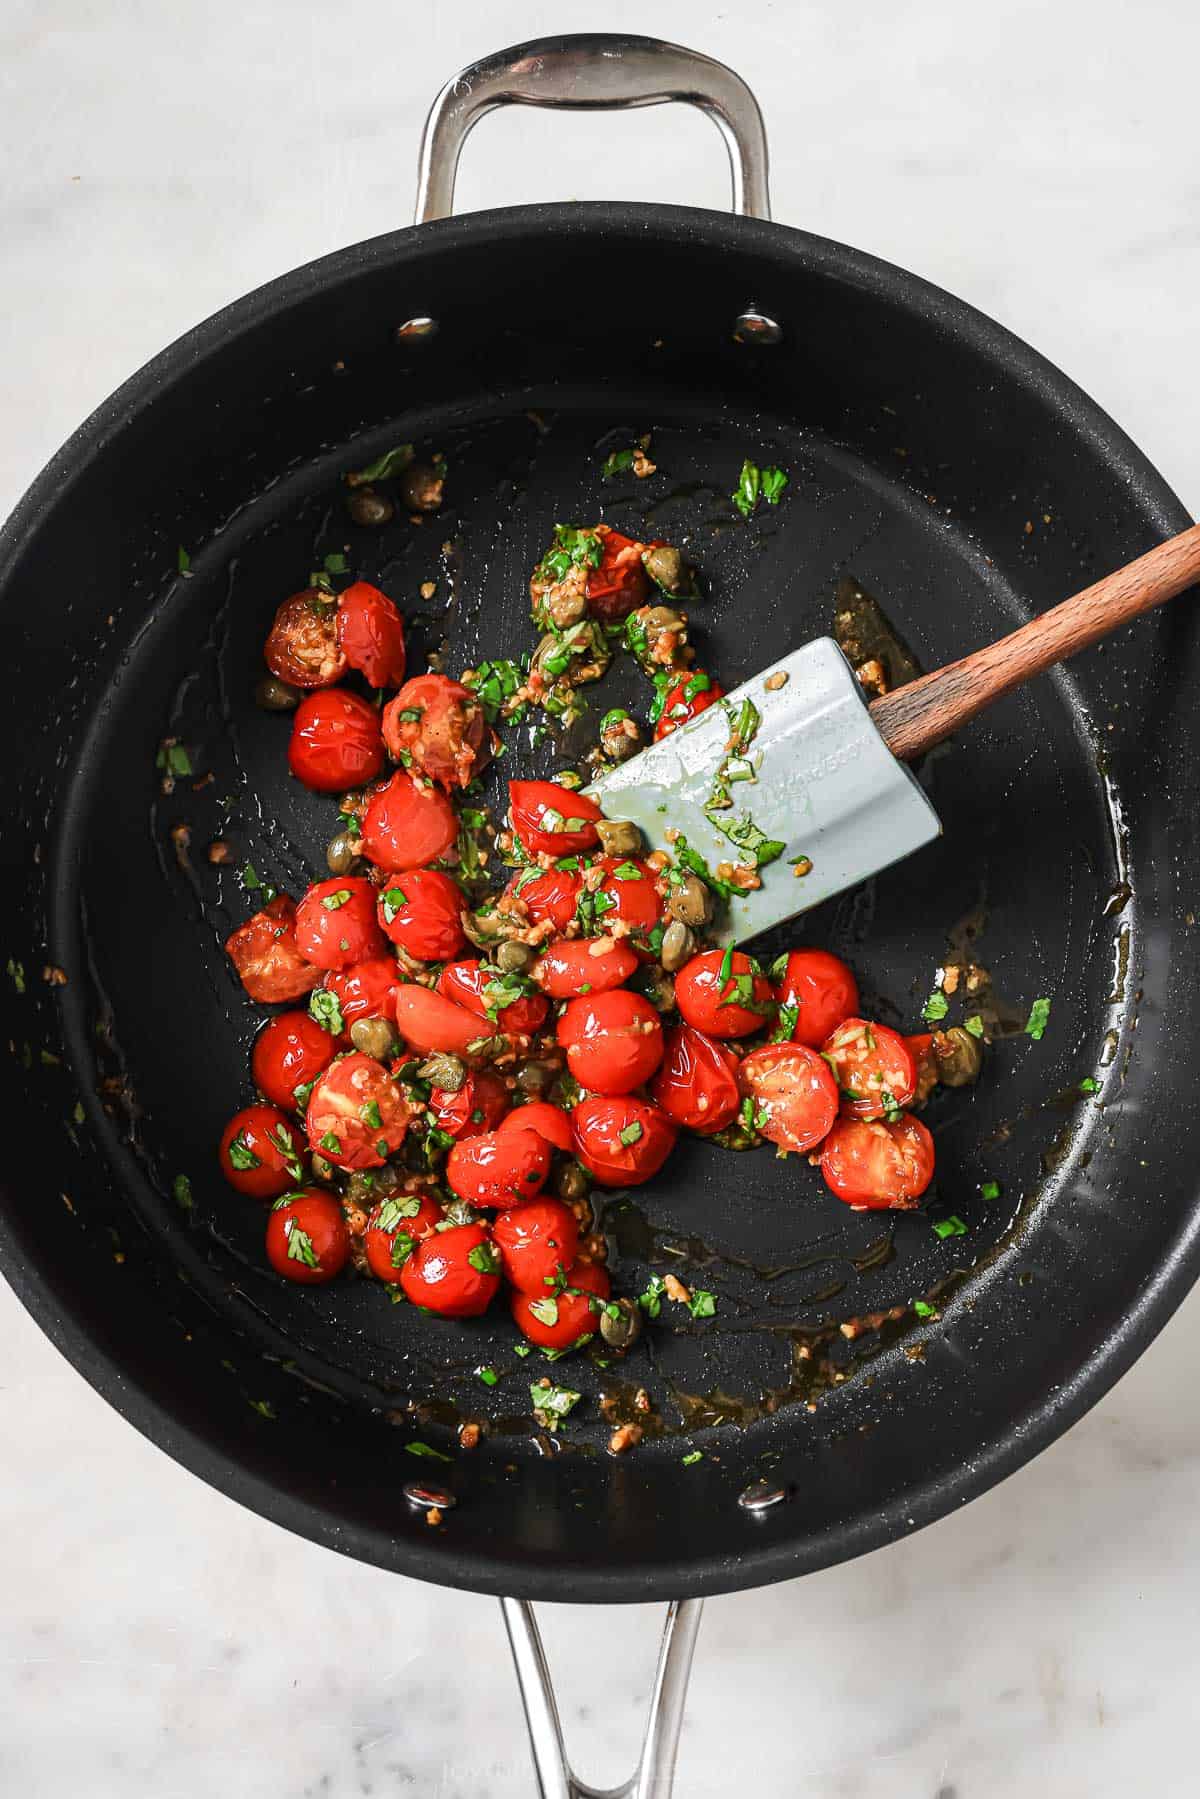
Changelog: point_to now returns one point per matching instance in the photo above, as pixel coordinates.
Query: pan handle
(654, 1775)
(597, 72)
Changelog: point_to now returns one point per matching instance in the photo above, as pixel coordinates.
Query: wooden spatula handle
(916, 717)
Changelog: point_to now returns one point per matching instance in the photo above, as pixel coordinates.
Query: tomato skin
(366, 989)
(576, 1317)
(699, 989)
(288, 1052)
(598, 1123)
(440, 1275)
(880, 1077)
(264, 952)
(466, 983)
(302, 645)
(614, 1041)
(370, 634)
(634, 897)
(335, 741)
(679, 706)
(550, 1122)
(407, 824)
(319, 1218)
(823, 990)
(567, 967)
(478, 1106)
(447, 741)
(620, 584)
(531, 801)
(536, 1241)
(552, 894)
(428, 923)
(270, 1136)
(428, 1021)
(335, 1121)
(336, 924)
(697, 1083)
(499, 1168)
(793, 1086)
(878, 1166)
(394, 1229)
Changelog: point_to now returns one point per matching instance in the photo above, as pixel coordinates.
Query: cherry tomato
(422, 909)
(335, 741)
(793, 1094)
(564, 1320)
(365, 989)
(536, 1242)
(500, 1168)
(428, 1022)
(631, 896)
(454, 1273)
(697, 1082)
(370, 633)
(483, 990)
(691, 695)
(357, 1114)
(289, 1052)
(336, 924)
(407, 824)
(551, 1122)
(551, 820)
(261, 1152)
(394, 1229)
(593, 964)
(622, 1142)
(822, 990)
(541, 894)
(436, 725)
(878, 1166)
(307, 1238)
(478, 1106)
(302, 646)
(264, 952)
(613, 1040)
(724, 998)
(874, 1068)
(620, 584)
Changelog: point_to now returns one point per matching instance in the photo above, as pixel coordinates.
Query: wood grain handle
(925, 712)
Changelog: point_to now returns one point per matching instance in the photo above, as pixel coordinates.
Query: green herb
(181, 1192)
(263, 1407)
(726, 969)
(693, 1456)
(78, 1114)
(786, 1020)
(183, 561)
(393, 1211)
(393, 899)
(950, 1227)
(241, 1155)
(745, 498)
(173, 759)
(749, 837)
(494, 683)
(990, 1190)
(774, 480)
(436, 1138)
(251, 883)
(634, 634)
(488, 1376)
(300, 1245)
(617, 715)
(1039, 1018)
(326, 1008)
(16, 974)
(552, 1404)
(616, 464)
(350, 824)
(485, 1258)
(370, 1114)
(651, 1300)
(935, 1007)
(923, 1309)
(631, 1133)
(692, 860)
(416, 1447)
(522, 1349)
(574, 546)
(503, 990)
(628, 871)
(743, 995)
(702, 1304)
(411, 715)
(545, 1310)
(333, 902)
(392, 462)
(974, 1024)
(402, 1248)
(1088, 1085)
(302, 1094)
(331, 1144)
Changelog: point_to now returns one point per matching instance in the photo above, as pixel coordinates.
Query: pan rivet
(754, 327)
(424, 1497)
(417, 330)
(760, 1495)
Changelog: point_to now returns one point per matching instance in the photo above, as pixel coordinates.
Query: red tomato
(613, 1041)
(593, 965)
(454, 1273)
(437, 726)
(691, 695)
(878, 1166)
(422, 909)
(697, 1082)
(631, 896)
(564, 1320)
(336, 924)
(428, 1022)
(302, 646)
(794, 1096)
(500, 1168)
(551, 820)
(723, 999)
(335, 741)
(407, 824)
(370, 633)
(874, 1067)
(822, 990)
(622, 1142)
(357, 1114)
(365, 989)
(261, 1152)
(482, 990)
(289, 1052)
(478, 1106)
(394, 1229)
(620, 584)
(264, 952)
(550, 1122)
(536, 1242)
(307, 1239)
(551, 893)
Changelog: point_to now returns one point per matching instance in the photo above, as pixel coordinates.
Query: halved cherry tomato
(307, 1238)
(264, 952)
(589, 965)
(438, 726)
(822, 991)
(336, 923)
(422, 909)
(620, 584)
(454, 1273)
(394, 1229)
(630, 896)
(478, 1106)
(878, 1166)
(407, 824)
(568, 1319)
(261, 1152)
(302, 646)
(622, 1142)
(793, 1094)
(551, 1122)
(485, 991)
(370, 632)
(551, 820)
(357, 1114)
(289, 1052)
(697, 1082)
(691, 695)
(537, 1242)
(500, 1168)
(722, 996)
(874, 1066)
(335, 742)
(365, 989)
(427, 1021)
(541, 894)
(614, 1041)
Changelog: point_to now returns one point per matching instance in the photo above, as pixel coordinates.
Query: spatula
(796, 771)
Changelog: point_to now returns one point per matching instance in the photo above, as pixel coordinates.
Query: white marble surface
(156, 161)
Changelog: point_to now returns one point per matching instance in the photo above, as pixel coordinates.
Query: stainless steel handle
(654, 1775)
(594, 71)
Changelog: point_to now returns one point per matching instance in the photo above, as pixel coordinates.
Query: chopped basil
(173, 759)
(574, 546)
(726, 968)
(494, 683)
(392, 1211)
(755, 483)
(302, 1094)
(349, 824)
(692, 860)
(16, 974)
(252, 884)
(333, 902)
(393, 899)
(326, 1008)
(923, 1309)
(545, 1310)
(300, 1245)
(552, 1404)
(935, 1007)
(503, 990)
(331, 1144)
(1039, 1018)
(416, 1447)
(1088, 1085)
(974, 1024)
(692, 1457)
(631, 1133)
(402, 1248)
(950, 1227)
(774, 480)
(241, 1155)
(522, 1349)
(370, 1114)
(651, 1300)
(616, 464)
(488, 1376)
(702, 1304)
(749, 837)
(181, 1192)
(392, 462)
(786, 1020)
(280, 1135)
(743, 995)
(183, 561)
(989, 1190)
(485, 1258)
(628, 871)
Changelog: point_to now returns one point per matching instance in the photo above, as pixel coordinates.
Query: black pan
(935, 458)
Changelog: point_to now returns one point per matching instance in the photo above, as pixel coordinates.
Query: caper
(678, 947)
(274, 695)
(656, 984)
(366, 507)
(321, 1169)
(618, 837)
(367, 1187)
(445, 1071)
(959, 1056)
(515, 957)
(666, 568)
(350, 802)
(571, 1182)
(565, 604)
(460, 1211)
(690, 901)
(620, 736)
(373, 1036)
(342, 854)
(421, 487)
(535, 1077)
(621, 1331)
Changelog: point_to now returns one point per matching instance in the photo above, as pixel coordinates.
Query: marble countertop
(155, 1639)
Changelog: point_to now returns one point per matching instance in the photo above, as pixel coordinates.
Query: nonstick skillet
(935, 460)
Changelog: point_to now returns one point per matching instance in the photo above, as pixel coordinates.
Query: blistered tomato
(691, 695)
(877, 1165)
(336, 923)
(335, 742)
(536, 1242)
(551, 1122)
(721, 995)
(394, 1229)
(370, 634)
(261, 1152)
(302, 646)
(546, 894)
(365, 989)
(421, 910)
(264, 952)
(584, 965)
(429, 1022)
(793, 1095)
(407, 824)
(623, 1141)
(552, 820)
(696, 1083)
(819, 990)
(501, 1000)
(613, 1040)
(567, 1319)
(289, 1052)
(454, 1273)
(307, 1238)
(500, 1168)
(436, 725)
(357, 1114)
(874, 1067)
(478, 1106)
